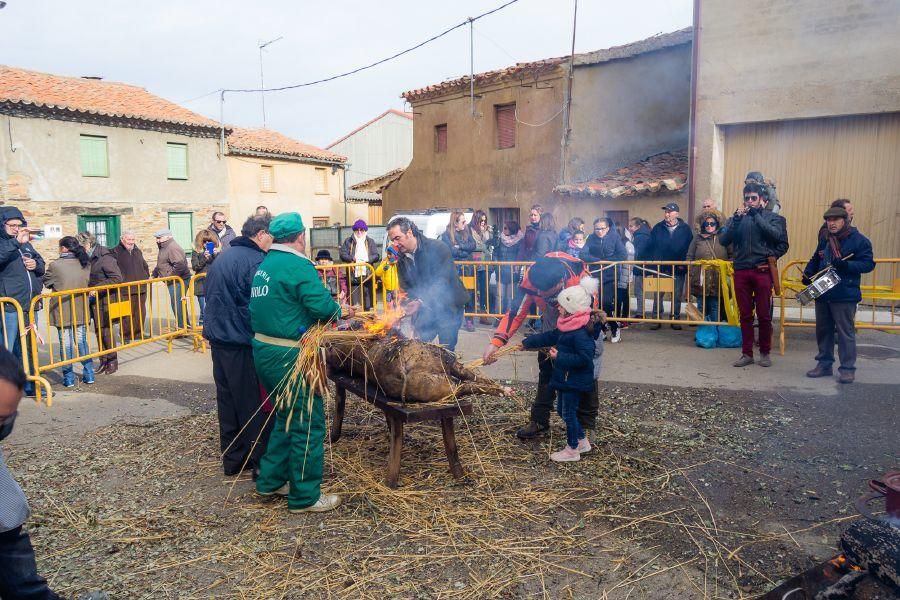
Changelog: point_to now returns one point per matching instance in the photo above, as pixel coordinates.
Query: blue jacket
(226, 318)
(573, 369)
(665, 246)
(641, 243)
(849, 271)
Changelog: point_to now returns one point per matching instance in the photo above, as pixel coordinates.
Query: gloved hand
(839, 264)
(805, 280)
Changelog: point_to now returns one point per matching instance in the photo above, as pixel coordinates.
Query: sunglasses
(221, 222)
(600, 228)
(710, 224)
(751, 198)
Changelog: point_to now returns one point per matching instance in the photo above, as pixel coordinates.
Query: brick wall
(143, 219)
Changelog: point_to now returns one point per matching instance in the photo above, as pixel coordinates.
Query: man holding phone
(21, 268)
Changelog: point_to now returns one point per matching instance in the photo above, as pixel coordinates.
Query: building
(86, 154)
(522, 136)
(382, 147)
(270, 169)
(808, 93)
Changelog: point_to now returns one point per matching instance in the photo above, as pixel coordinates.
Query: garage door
(814, 162)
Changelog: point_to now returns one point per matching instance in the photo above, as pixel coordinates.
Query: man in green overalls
(286, 299)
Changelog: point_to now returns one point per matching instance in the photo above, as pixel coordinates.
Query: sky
(184, 49)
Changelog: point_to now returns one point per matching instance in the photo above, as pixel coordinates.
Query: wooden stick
(479, 362)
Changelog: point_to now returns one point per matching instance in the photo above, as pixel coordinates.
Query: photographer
(21, 269)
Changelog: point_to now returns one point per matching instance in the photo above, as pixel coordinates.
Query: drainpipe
(346, 166)
(692, 136)
(567, 105)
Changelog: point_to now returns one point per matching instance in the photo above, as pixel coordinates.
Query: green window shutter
(104, 228)
(177, 160)
(182, 226)
(94, 160)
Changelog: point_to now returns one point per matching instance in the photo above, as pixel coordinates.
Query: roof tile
(271, 142)
(664, 172)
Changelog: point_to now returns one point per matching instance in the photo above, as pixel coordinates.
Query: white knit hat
(578, 297)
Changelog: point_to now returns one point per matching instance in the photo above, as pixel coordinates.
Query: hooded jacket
(228, 281)
(16, 281)
(755, 237)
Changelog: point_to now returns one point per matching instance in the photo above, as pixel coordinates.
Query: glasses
(14, 225)
(221, 222)
(710, 224)
(600, 228)
(751, 198)
(484, 220)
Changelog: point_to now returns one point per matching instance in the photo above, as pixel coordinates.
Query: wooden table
(397, 414)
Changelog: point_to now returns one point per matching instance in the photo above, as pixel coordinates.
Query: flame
(386, 322)
(843, 565)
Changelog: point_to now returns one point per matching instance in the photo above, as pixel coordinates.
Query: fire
(841, 563)
(386, 322)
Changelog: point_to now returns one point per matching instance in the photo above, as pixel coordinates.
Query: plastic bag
(729, 336)
(706, 336)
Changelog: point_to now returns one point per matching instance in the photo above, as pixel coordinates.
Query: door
(104, 227)
(182, 226)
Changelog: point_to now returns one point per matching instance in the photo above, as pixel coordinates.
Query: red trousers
(753, 289)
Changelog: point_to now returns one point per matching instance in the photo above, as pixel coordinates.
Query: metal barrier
(16, 340)
(145, 311)
(355, 282)
(880, 296)
(493, 286)
(194, 305)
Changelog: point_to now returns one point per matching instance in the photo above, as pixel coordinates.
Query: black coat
(573, 367)
(431, 276)
(862, 261)
(463, 248)
(755, 237)
(641, 243)
(665, 246)
(227, 315)
(16, 281)
(347, 251)
(546, 241)
(609, 247)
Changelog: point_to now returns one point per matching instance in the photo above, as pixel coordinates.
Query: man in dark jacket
(172, 262)
(640, 231)
(605, 245)
(243, 427)
(21, 269)
(435, 295)
(134, 268)
(669, 241)
(849, 252)
(219, 226)
(755, 233)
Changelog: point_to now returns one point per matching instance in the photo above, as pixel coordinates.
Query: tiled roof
(399, 113)
(660, 173)
(535, 69)
(266, 141)
(75, 97)
(657, 42)
(378, 184)
(519, 71)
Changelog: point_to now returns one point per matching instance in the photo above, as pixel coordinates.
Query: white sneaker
(566, 455)
(325, 503)
(584, 445)
(282, 491)
(617, 336)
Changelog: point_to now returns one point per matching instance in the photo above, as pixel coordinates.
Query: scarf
(573, 322)
(834, 239)
(511, 240)
(360, 255)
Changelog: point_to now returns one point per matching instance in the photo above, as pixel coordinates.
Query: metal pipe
(472, 63)
(692, 135)
(568, 103)
(262, 84)
(222, 123)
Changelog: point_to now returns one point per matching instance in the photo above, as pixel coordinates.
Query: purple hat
(360, 224)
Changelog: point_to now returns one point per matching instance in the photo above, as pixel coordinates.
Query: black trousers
(588, 406)
(19, 578)
(243, 426)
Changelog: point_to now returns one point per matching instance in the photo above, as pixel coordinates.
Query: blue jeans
(68, 336)
(175, 299)
(201, 300)
(710, 306)
(18, 576)
(13, 343)
(567, 408)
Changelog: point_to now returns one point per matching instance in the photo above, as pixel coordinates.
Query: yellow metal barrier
(493, 285)
(20, 337)
(145, 311)
(878, 309)
(355, 282)
(194, 310)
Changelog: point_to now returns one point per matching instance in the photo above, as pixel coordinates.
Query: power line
(374, 64)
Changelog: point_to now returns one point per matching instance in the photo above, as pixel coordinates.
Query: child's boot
(567, 454)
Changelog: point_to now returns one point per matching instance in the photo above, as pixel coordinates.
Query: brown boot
(104, 363)
(846, 376)
(112, 366)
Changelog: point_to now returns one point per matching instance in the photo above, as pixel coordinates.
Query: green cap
(285, 225)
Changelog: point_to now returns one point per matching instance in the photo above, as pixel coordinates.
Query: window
(266, 178)
(440, 138)
(505, 118)
(104, 227)
(94, 160)
(321, 180)
(177, 160)
(320, 221)
(182, 226)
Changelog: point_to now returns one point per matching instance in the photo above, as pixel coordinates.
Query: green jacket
(287, 296)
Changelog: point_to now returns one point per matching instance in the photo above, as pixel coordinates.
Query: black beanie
(546, 272)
